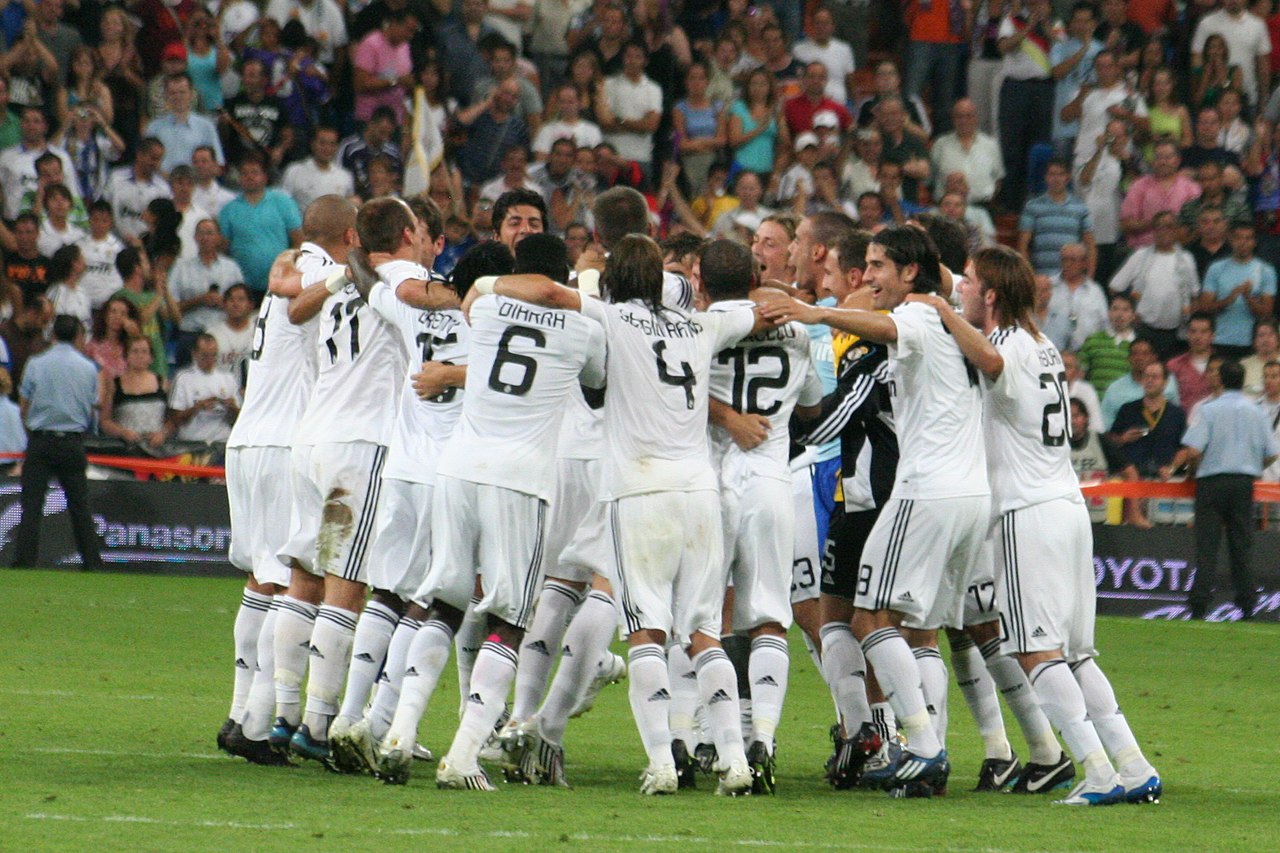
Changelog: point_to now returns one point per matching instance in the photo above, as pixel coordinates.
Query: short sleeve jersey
(1028, 424)
(937, 407)
(767, 374)
(655, 413)
(423, 426)
(524, 363)
(360, 368)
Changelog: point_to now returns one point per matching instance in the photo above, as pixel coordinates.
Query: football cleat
(449, 778)
(395, 763)
(852, 755)
(357, 748)
(997, 774)
(1088, 794)
(303, 745)
(706, 756)
(281, 734)
(1142, 789)
(611, 671)
(762, 764)
(343, 757)
(492, 749)
(542, 760)
(254, 751)
(736, 780)
(686, 765)
(421, 753)
(661, 780)
(511, 742)
(877, 773)
(223, 731)
(1041, 778)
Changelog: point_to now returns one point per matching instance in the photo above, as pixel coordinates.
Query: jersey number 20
(1055, 428)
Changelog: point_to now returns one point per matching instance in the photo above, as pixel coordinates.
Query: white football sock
(650, 695)
(933, 678)
(387, 694)
(815, 653)
(259, 709)
(1110, 723)
(295, 621)
(845, 671)
(428, 655)
(330, 657)
(769, 665)
(538, 648)
(899, 677)
(885, 721)
(588, 635)
(471, 636)
(491, 678)
(684, 697)
(1063, 704)
(980, 695)
(248, 627)
(718, 687)
(1012, 683)
(368, 651)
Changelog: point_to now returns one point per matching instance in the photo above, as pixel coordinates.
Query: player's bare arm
(308, 303)
(285, 279)
(874, 326)
(973, 344)
(747, 431)
(436, 377)
(536, 290)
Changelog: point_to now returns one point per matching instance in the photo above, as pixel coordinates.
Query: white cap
(826, 118)
(806, 139)
(749, 221)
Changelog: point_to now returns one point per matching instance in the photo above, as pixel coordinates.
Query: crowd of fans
(156, 155)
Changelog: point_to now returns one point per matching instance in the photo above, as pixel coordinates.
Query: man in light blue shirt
(1233, 443)
(181, 131)
(259, 224)
(58, 392)
(1072, 68)
(1239, 290)
(1128, 388)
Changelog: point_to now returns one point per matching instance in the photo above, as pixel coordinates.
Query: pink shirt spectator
(1148, 196)
(1192, 385)
(380, 58)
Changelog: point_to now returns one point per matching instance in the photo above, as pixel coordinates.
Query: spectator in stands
(173, 61)
(1054, 219)
(514, 175)
(1026, 96)
(901, 147)
(1078, 305)
(234, 332)
(259, 223)
(131, 188)
(60, 39)
(18, 163)
(357, 150)
(1164, 190)
(897, 204)
(1167, 115)
(701, 127)
(66, 269)
(631, 109)
(1079, 388)
(800, 110)
(255, 119)
(966, 149)
(1269, 402)
(569, 123)
(1190, 367)
(748, 213)
(112, 327)
(1210, 242)
(149, 294)
(888, 82)
(1092, 458)
(1266, 349)
(501, 57)
(559, 183)
(84, 88)
(161, 241)
(1147, 432)
(1213, 193)
(1162, 278)
(133, 403)
(382, 68)
(306, 180)
(49, 172)
(57, 230)
(208, 59)
(1104, 355)
(459, 40)
(208, 195)
(610, 38)
(1238, 290)
(93, 145)
(1236, 135)
(1118, 30)
(199, 285)
(1216, 73)
(181, 130)
(9, 132)
(1127, 388)
(936, 53)
(24, 266)
(1071, 61)
(100, 248)
(205, 399)
(321, 19)
(835, 55)
(24, 332)
(755, 133)
(1111, 98)
(778, 61)
(13, 434)
(182, 182)
(492, 127)
(1207, 146)
(1248, 43)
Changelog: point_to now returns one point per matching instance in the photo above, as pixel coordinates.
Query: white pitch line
(113, 753)
(80, 694)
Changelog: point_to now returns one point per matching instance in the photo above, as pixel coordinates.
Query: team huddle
(506, 467)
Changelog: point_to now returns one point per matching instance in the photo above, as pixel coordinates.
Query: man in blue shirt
(259, 224)
(1239, 290)
(58, 392)
(1232, 442)
(182, 131)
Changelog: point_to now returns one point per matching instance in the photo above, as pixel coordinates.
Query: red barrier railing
(144, 467)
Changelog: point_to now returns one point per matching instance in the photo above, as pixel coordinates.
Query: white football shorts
(759, 539)
(401, 551)
(576, 499)
(806, 561)
(260, 495)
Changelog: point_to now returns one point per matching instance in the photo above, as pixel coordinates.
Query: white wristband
(485, 284)
(336, 281)
(589, 283)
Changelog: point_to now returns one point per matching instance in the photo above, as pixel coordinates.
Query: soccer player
(396, 287)
(338, 454)
(281, 371)
(1045, 544)
(920, 552)
(489, 506)
(661, 491)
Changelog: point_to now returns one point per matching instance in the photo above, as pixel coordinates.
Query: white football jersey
(655, 412)
(361, 364)
(581, 430)
(937, 408)
(423, 426)
(1028, 423)
(767, 373)
(279, 379)
(525, 361)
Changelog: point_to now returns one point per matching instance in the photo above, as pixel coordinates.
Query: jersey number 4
(684, 379)
(526, 365)
(1055, 429)
(746, 390)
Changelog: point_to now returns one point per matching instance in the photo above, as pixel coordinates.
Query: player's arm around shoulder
(872, 325)
(973, 344)
(534, 289)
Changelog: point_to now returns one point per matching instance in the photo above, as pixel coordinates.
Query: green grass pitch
(112, 687)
